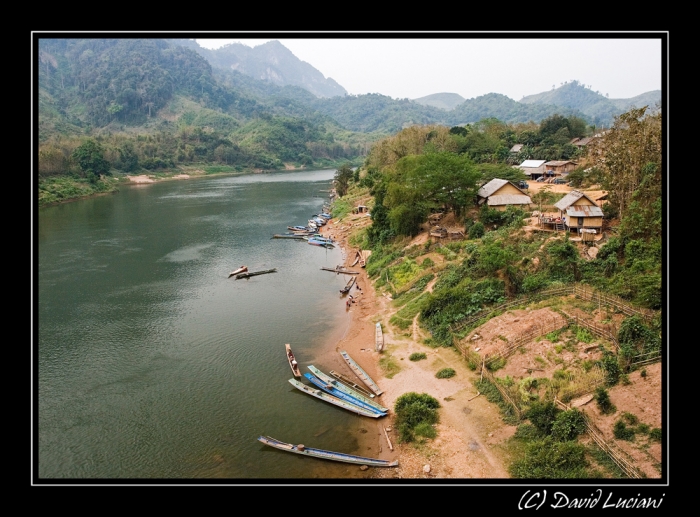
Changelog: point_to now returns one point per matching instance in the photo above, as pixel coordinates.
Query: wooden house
(500, 194)
(560, 167)
(360, 209)
(580, 213)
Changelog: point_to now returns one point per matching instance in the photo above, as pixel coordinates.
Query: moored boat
(333, 400)
(378, 338)
(292, 361)
(355, 393)
(326, 455)
(364, 377)
(348, 286)
(332, 390)
(241, 269)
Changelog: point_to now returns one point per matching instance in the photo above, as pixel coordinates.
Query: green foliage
(542, 415)
(417, 356)
(527, 432)
(611, 367)
(568, 425)
(583, 335)
(90, 158)
(476, 231)
(622, 432)
(413, 410)
(549, 459)
(445, 373)
(602, 398)
(342, 179)
(656, 434)
(425, 430)
(427, 263)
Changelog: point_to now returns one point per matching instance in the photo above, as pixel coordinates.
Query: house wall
(567, 167)
(507, 189)
(588, 222)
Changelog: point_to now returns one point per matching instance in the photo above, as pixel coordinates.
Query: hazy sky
(620, 65)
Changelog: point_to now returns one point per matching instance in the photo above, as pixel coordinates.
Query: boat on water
(255, 273)
(320, 242)
(332, 399)
(292, 361)
(326, 455)
(241, 269)
(340, 269)
(289, 236)
(378, 338)
(332, 390)
(348, 286)
(355, 393)
(364, 377)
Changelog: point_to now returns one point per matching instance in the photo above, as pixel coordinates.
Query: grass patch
(445, 373)
(389, 366)
(417, 356)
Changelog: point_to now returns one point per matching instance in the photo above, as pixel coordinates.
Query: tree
(90, 158)
(628, 155)
(342, 179)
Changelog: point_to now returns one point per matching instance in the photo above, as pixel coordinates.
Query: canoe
(326, 455)
(349, 382)
(332, 400)
(292, 361)
(348, 286)
(288, 236)
(378, 338)
(237, 271)
(323, 244)
(367, 399)
(332, 390)
(254, 273)
(361, 373)
(340, 269)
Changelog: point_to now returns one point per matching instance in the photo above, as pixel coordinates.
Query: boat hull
(331, 389)
(326, 455)
(347, 389)
(332, 400)
(364, 377)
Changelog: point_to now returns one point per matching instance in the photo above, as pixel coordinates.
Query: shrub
(568, 425)
(622, 432)
(417, 356)
(655, 434)
(602, 398)
(445, 373)
(413, 409)
(425, 430)
(542, 416)
(548, 459)
(476, 231)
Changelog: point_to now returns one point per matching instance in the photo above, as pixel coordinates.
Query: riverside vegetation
(423, 170)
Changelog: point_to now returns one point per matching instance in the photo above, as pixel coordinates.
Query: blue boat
(329, 388)
(347, 389)
(331, 399)
(326, 455)
(322, 243)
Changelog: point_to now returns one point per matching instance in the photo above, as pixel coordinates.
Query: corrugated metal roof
(584, 211)
(570, 199)
(516, 148)
(509, 199)
(491, 187)
(533, 163)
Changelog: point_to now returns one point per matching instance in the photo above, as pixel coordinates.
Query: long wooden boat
(332, 400)
(241, 269)
(340, 269)
(348, 286)
(326, 455)
(292, 361)
(254, 273)
(378, 338)
(367, 399)
(332, 390)
(288, 236)
(349, 382)
(364, 377)
(320, 242)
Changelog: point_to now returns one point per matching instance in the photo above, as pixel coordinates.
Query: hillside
(445, 101)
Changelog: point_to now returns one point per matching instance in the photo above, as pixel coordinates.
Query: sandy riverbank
(470, 431)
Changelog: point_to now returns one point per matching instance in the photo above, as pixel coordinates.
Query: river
(152, 364)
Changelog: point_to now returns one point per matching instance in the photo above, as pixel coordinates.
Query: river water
(152, 364)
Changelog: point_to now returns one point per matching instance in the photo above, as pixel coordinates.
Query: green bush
(602, 398)
(655, 434)
(548, 459)
(413, 409)
(568, 425)
(622, 432)
(542, 415)
(417, 356)
(445, 373)
(476, 231)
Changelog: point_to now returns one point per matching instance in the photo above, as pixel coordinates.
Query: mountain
(595, 107)
(271, 62)
(445, 101)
